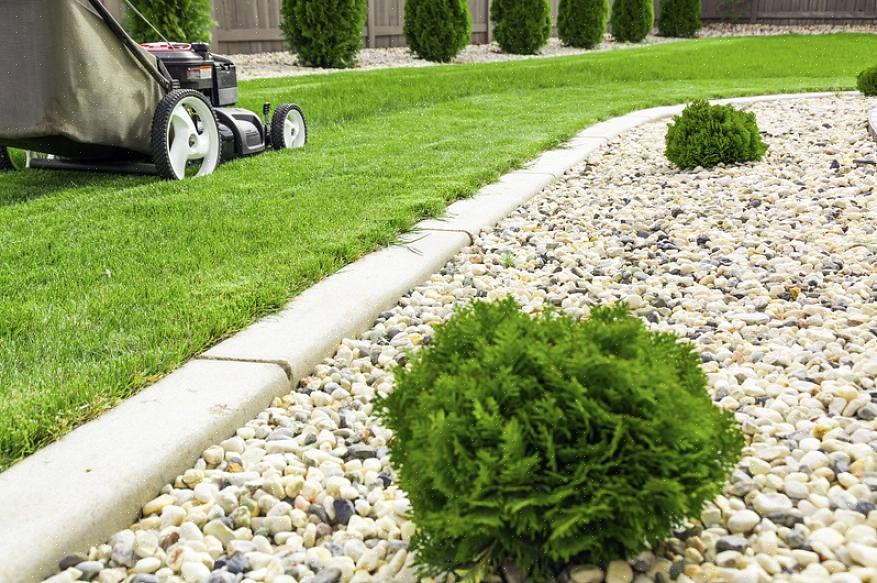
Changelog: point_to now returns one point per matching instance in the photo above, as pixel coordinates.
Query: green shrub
(539, 440)
(437, 30)
(177, 20)
(867, 81)
(706, 135)
(521, 26)
(325, 33)
(632, 20)
(582, 23)
(679, 18)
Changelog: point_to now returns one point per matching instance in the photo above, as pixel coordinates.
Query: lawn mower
(81, 94)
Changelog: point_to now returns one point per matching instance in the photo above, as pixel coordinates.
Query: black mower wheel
(5, 160)
(289, 129)
(185, 136)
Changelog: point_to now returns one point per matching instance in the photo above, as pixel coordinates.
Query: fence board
(254, 25)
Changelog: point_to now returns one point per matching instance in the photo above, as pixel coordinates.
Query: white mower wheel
(185, 136)
(288, 127)
(5, 160)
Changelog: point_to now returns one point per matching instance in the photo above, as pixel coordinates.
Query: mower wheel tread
(279, 119)
(160, 122)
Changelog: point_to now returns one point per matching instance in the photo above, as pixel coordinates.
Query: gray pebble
(732, 543)
(343, 510)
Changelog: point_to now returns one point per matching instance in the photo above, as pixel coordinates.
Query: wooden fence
(252, 26)
(792, 11)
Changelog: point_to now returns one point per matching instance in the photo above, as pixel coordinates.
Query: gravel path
(285, 64)
(770, 269)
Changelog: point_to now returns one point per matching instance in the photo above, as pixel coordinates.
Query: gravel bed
(728, 29)
(285, 64)
(769, 268)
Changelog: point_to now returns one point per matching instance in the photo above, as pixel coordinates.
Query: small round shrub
(521, 26)
(582, 23)
(539, 440)
(325, 33)
(177, 20)
(867, 81)
(706, 135)
(679, 18)
(437, 30)
(632, 20)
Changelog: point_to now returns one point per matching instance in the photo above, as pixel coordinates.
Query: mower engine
(193, 66)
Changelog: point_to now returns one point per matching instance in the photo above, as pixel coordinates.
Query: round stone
(213, 455)
(743, 521)
(827, 536)
(767, 504)
(619, 572)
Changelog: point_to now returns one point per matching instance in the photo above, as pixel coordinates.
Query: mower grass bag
(79, 94)
(70, 87)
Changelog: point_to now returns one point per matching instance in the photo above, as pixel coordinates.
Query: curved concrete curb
(82, 489)
(92, 483)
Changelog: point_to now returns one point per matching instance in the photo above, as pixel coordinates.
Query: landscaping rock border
(93, 482)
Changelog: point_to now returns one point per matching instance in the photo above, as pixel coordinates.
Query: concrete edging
(93, 482)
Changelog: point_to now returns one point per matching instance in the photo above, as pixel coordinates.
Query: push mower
(81, 94)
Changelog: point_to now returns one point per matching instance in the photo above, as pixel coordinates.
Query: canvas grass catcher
(79, 93)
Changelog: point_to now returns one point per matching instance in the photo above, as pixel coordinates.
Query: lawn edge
(93, 482)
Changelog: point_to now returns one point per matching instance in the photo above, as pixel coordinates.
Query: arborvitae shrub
(632, 20)
(177, 20)
(325, 33)
(867, 81)
(539, 440)
(521, 26)
(706, 135)
(679, 18)
(582, 23)
(437, 30)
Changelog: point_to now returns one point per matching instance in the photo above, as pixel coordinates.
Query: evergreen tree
(437, 30)
(582, 23)
(325, 33)
(176, 20)
(632, 20)
(680, 18)
(544, 440)
(521, 26)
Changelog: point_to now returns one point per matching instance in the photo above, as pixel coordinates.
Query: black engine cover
(195, 67)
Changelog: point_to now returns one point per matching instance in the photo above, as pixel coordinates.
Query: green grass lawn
(107, 282)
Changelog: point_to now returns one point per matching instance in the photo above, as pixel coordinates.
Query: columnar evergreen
(176, 20)
(582, 23)
(521, 26)
(437, 30)
(632, 20)
(325, 33)
(680, 18)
